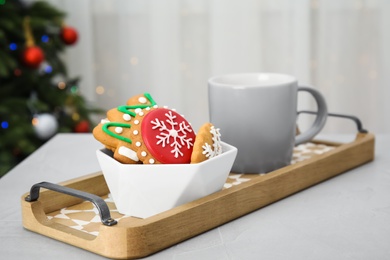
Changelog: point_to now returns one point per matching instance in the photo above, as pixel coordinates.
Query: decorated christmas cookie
(207, 143)
(163, 136)
(134, 105)
(115, 131)
(142, 132)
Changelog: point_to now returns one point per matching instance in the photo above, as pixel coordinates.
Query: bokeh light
(100, 90)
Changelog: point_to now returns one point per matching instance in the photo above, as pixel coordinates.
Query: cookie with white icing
(141, 132)
(115, 132)
(207, 143)
(113, 136)
(162, 135)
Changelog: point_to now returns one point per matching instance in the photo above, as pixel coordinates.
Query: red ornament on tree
(82, 127)
(69, 35)
(33, 56)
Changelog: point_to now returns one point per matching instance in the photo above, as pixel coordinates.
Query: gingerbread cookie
(207, 143)
(115, 132)
(162, 135)
(140, 132)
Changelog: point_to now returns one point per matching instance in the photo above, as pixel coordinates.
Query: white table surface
(347, 217)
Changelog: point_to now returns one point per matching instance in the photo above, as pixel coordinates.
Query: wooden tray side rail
(133, 238)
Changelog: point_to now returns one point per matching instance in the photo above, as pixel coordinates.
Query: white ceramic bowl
(143, 190)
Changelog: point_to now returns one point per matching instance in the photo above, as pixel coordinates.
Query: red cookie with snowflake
(163, 136)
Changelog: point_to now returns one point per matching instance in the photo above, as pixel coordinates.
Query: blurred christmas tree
(37, 98)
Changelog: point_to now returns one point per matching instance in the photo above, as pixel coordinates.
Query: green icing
(107, 131)
(126, 109)
(149, 97)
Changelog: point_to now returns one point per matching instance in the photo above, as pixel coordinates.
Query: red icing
(168, 136)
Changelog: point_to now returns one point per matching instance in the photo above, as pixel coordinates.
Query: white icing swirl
(127, 152)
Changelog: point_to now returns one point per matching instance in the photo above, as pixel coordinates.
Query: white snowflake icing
(176, 132)
(212, 151)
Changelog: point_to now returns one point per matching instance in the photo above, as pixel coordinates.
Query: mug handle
(320, 120)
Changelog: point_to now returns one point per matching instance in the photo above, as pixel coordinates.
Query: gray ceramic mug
(257, 113)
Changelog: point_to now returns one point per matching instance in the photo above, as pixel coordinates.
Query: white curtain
(171, 47)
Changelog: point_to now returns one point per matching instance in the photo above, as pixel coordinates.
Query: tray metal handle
(100, 204)
(353, 118)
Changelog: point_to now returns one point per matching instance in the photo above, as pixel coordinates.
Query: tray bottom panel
(85, 217)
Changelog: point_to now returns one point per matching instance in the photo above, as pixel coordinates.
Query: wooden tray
(77, 222)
